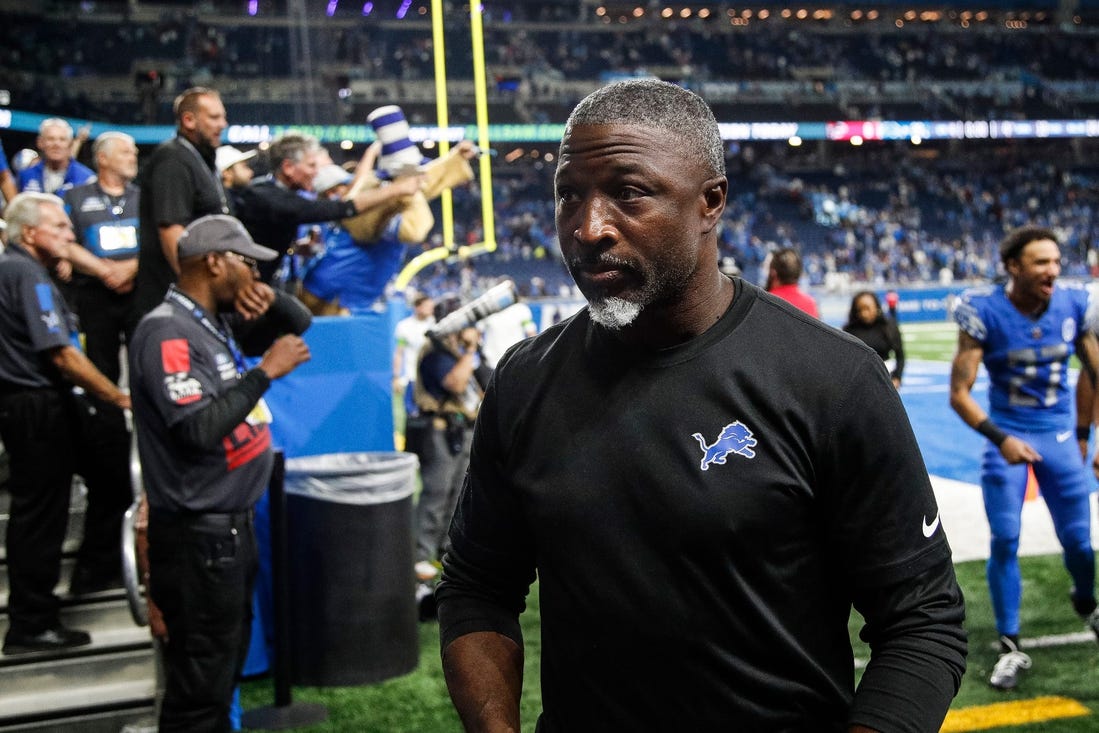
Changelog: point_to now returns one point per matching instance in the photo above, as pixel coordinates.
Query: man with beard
(701, 510)
(179, 184)
(1025, 331)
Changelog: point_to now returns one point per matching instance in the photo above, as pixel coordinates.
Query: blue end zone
(950, 448)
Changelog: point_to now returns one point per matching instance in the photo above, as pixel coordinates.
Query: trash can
(353, 618)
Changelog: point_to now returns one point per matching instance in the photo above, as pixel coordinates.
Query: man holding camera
(451, 378)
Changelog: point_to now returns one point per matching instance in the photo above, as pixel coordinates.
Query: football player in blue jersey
(1025, 331)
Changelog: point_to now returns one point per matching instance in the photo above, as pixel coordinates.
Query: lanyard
(213, 175)
(225, 337)
(115, 207)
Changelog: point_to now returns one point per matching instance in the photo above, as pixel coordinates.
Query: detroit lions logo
(735, 438)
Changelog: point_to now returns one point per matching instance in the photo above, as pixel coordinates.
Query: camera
(493, 300)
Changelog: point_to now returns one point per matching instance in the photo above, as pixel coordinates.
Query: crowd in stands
(532, 50)
(873, 216)
(906, 219)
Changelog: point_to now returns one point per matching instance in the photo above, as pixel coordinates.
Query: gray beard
(614, 313)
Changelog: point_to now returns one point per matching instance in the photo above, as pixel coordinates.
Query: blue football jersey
(1027, 358)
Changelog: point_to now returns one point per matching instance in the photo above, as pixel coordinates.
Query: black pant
(37, 427)
(103, 460)
(106, 320)
(201, 570)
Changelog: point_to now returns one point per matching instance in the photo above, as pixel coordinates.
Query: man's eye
(629, 193)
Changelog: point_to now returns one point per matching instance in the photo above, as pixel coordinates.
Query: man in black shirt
(39, 364)
(701, 510)
(206, 457)
(273, 207)
(104, 215)
(179, 183)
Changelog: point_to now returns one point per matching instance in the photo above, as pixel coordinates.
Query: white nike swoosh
(1062, 437)
(929, 529)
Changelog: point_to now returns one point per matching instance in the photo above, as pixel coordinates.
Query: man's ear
(214, 262)
(713, 202)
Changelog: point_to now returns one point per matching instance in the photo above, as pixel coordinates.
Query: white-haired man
(104, 214)
(56, 168)
(39, 365)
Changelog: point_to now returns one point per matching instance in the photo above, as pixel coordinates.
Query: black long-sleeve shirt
(271, 213)
(702, 520)
(204, 442)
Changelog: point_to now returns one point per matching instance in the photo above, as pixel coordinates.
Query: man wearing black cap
(205, 454)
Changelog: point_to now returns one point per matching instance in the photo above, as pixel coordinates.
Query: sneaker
(1092, 622)
(49, 640)
(425, 571)
(1010, 666)
(425, 602)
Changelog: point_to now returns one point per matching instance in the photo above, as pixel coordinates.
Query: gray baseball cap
(220, 233)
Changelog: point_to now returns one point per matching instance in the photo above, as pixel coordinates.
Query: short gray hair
(55, 122)
(291, 146)
(25, 210)
(107, 138)
(659, 104)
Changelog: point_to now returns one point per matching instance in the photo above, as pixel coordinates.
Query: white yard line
(963, 517)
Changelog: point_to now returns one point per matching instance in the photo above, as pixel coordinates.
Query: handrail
(131, 571)
(131, 574)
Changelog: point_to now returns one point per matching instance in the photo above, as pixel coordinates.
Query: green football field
(1059, 695)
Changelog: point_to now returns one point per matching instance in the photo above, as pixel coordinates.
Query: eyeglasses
(250, 263)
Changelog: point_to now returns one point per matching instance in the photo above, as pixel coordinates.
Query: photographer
(451, 377)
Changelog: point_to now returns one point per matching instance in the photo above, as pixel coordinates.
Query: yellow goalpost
(480, 90)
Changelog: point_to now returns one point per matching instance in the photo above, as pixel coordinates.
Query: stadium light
(331, 9)
(368, 8)
(253, 7)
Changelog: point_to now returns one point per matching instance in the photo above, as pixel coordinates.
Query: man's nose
(595, 223)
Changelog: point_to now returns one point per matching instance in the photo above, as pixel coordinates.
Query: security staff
(39, 364)
(104, 216)
(206, 456)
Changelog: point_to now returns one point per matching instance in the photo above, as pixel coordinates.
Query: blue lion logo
(735, 438)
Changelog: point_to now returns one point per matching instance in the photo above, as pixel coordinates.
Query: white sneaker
(1010, 666)
(1092, 622)
(425, 571)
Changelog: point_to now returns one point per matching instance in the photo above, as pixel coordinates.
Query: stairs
(106, 687)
